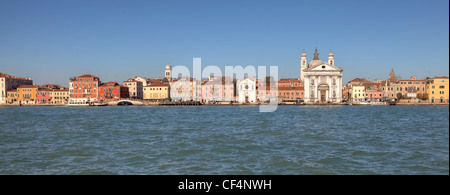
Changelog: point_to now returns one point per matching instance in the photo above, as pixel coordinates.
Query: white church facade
(322, 81)
(246, 90)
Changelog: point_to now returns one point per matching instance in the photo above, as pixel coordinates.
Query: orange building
(12, 96)
(289, 83)
(290, 93)
(412, 88)
(27, 94)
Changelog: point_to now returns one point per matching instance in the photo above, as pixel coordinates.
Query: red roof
(158, 85)
(110, 84)
(86, 75)
(12, 77)
(29, 86)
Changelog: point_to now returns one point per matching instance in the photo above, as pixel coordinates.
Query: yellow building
(358, 93)
(438, 90)
(12, 96)
(27, 94)
(156, 92)
(59, 96)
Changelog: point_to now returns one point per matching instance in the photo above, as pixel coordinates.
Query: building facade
(438, 90)
(358, 93)
(322, 81)
(12, 96)
(59, 96)
(168, 72)
(373, 95)
(290, 93)
(84, 89)
(43, 95)
(157, 92)
(289, 83)
(113, 91)
(218, 89)
(412, 88)
(391, 90)
(27, 94)
(246, 90)
(135, 88)
(185, 89)
(9, 82)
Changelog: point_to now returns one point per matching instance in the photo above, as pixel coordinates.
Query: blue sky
(54, 40)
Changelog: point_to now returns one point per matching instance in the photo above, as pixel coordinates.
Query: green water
(225, 140)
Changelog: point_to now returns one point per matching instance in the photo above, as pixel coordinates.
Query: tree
(422, 96)
(270, 80)
(399, 96)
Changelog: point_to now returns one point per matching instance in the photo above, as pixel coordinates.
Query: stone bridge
(125, 102)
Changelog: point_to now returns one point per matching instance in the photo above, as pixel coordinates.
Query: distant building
(438, 90)
(290, 93)
(27, 94)
(9, 82)
(135, 88)
(322, 80)
(84, 89)
(373, 95)
(157, 92)
(289, 83)
(59, 96)
(359, 93)
(185, 89)
(12, 96)
(218, 89)
(392, 76)
(43, 95)
(168, 72)
(113, 91)
(391, 90)
(412, 88)
(246, 90)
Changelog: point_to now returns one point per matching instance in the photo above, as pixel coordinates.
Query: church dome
(316, 63)
(168, 67)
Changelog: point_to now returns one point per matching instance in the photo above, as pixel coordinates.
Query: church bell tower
(331, 58)
(303, 65)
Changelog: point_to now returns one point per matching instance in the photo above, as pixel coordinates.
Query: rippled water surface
(225, 140)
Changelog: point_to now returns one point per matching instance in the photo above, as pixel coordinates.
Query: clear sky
(52, 41)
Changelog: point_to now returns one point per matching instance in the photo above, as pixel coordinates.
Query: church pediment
(324, 67)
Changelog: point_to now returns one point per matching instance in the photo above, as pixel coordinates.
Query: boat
(392, 103)
(99, 104)
(76, 104)
(368, 104)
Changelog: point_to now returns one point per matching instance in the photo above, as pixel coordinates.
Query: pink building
(43, 96)
(218, 89)
(373, 95)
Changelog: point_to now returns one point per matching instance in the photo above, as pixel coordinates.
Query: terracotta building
(290, 93)
(83, 89)
(113, 91)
